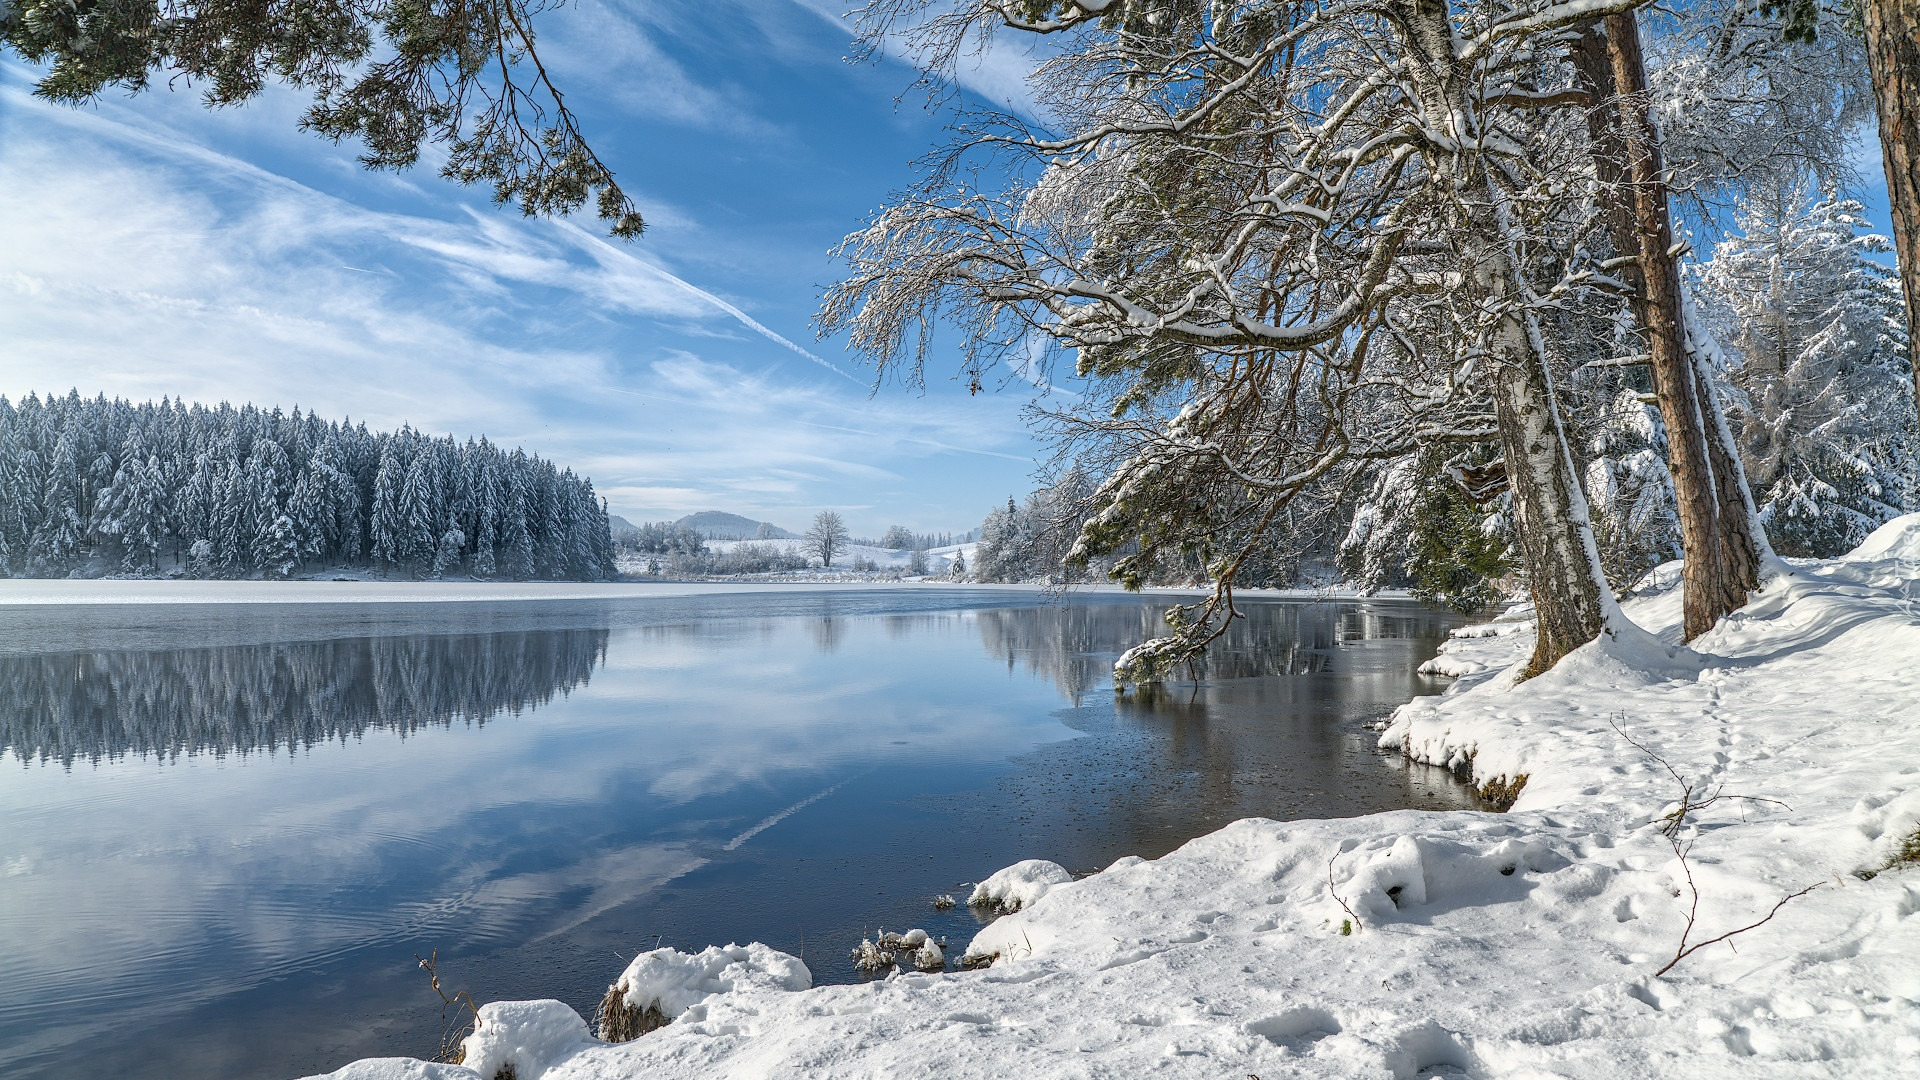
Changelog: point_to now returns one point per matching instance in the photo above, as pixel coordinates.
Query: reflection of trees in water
(93, 705)
(1074, 644)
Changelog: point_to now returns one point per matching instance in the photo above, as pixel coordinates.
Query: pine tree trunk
(1563, 572)
(1893, 57)
(1722, 565)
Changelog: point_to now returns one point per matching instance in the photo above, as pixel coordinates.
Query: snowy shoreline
(1522, 944)
(23, 592)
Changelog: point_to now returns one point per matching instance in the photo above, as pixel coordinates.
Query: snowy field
(1526, 945)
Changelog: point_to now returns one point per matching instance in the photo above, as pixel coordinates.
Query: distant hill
(619, 525)
(718, 525)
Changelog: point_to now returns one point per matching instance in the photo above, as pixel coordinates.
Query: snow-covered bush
(663, 984)
(1019, 885)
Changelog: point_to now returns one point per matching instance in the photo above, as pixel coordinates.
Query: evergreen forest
(90, 487)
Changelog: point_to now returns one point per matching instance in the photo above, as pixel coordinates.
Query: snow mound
(528, 1036)
(1452, 667)
(674, 982)
(401, 1069)
(1897, 539)
(1019, 885)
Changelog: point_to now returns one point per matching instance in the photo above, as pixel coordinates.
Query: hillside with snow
(1700, 876)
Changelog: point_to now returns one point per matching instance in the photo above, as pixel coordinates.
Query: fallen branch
(1355, 919)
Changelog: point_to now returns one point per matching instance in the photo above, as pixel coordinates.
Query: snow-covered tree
(278, 549)
(1253, 313)
(826, 537)
(1822, 396)
(386, 529)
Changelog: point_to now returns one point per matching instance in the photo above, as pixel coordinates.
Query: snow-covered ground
(1412, 944)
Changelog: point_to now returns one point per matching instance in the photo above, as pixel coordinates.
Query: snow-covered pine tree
(278, 549)
(15, 501)
(417, 542)
(264, 505)
(232, 542)
(337, 503)
(447, 555)
(543, 520)
(385, 528)
(129, 514)
(486, 513)
(307, 510)
(516, 538)
(1822, 398)
(58, 536)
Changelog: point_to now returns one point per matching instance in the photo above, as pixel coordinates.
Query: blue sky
(148, 247)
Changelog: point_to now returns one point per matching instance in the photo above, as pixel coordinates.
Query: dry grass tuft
(1906, 856)
(617, 1021)
(1502, 792)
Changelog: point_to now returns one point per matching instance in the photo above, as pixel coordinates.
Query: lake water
(226, 831)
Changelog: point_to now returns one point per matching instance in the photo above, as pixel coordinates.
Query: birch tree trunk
(1556, 543)
(1722, 560)
(1893, 56)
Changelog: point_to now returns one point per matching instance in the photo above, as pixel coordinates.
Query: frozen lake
(229, 829)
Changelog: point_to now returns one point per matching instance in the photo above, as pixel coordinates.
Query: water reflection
(100, 705)
(789, 768)
(1074, 645)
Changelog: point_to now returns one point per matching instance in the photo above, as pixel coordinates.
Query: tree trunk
(1556, 542)
(1722, 564)
(1893, 57)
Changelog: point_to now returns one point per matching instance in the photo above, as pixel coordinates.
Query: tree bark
(1893, 57)
(1722, 563)
(1562, 566)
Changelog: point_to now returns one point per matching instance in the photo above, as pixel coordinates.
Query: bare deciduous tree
(826, 537)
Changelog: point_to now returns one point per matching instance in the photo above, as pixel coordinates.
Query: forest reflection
(102, 705)
(1075, 644)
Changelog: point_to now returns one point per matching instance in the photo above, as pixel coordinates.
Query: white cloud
(137, 261)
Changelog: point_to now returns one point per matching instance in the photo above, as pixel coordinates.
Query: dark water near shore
(226, 832)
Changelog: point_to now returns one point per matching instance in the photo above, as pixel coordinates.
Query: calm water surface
(227, 831)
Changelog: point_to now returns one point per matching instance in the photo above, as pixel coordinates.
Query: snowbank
(528, 1037)
(1521, 945)
(1019, 885)
(674, 982)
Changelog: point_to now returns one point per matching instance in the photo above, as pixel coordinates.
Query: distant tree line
(669, 547)
(215, 492)
(901, 538)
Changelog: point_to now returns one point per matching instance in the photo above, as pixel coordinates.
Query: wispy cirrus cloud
(138, 259)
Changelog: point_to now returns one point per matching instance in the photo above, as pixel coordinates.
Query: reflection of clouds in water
(134, 876)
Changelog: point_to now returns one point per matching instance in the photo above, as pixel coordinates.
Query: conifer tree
(1823, 397)
(417, 542)
(384, 532)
